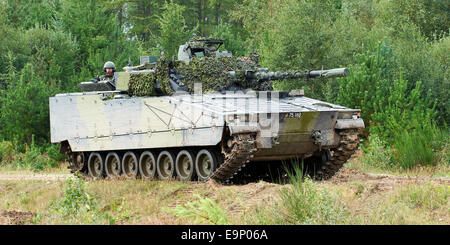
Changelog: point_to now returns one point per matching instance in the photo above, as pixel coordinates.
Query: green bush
(174, 31)
(53, 153)
(306, 203)
(24, 108)
(76, 205)
(33, 158)
(369, 83)
(376, 153)
(420, 146)
(6, 151)
(401, 110)
(232, 40)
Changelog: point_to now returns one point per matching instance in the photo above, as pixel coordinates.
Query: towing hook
(317, 137)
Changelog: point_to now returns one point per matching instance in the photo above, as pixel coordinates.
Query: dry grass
(366, 199)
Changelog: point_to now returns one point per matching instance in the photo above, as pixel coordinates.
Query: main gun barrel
(266, 75)
(338, 72)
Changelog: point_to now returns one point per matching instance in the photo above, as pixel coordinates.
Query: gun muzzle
(338, 72)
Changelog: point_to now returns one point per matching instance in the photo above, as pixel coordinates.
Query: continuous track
(239, 149)
(334, 161)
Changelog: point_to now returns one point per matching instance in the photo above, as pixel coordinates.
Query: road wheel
(96, 165)
(78, 161)
(130, 165)
(205, 164)
(147, 165)
(184, 165)
(113, 165)
(165, 165)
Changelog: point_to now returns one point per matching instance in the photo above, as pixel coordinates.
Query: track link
(238, 151)
(348, 145)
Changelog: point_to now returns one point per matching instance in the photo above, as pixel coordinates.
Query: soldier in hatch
(109, 68)
(104, 82)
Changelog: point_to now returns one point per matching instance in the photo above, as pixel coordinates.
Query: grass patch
(77, 205)
(201, 211)
(307, 203)
(376, 157)
(422, 146)
(303, 201)
(32, 157)
(427, 197)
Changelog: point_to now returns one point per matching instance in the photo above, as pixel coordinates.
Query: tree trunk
(217, 13)
(199, 11)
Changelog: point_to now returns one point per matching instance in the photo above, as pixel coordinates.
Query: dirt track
(15, 217)
(344, 175)
(383, 181)
(44, 177)
(253, 193)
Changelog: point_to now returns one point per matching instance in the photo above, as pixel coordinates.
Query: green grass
(307, 203)
(416, 156)
(33, 157)
(201, 211)
(421, 146)
(302, 201)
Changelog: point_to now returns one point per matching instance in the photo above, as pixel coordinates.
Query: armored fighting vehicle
(205, 115)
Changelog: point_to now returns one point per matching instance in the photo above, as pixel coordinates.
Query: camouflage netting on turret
(213, 73)
(162, 75)
(142, 84)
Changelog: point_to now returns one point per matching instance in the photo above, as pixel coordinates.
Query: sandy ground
(383, 181)
(343, 176)
(15, 217)
(44, 177)
(259, 192)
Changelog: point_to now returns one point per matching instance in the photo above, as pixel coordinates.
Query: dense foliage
(397, 52)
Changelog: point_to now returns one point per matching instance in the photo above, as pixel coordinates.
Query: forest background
(397, 53)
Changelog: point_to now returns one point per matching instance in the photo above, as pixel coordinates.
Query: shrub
(53, 153)
(76, 205)
(6, 151)
(24, 108)
(376, 153)
(33, 158)
(420, 146)
(368, 84)
(305, 203)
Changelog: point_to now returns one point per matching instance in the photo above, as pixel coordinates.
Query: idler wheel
(184, 165)
(113, 165)
(205, 164)
(165, 165)
(147, 165)
(130, 165)
(96, 165)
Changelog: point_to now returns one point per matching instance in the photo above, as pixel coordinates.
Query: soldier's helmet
(109, 64)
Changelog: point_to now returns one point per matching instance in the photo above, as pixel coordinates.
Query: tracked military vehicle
(206, 115)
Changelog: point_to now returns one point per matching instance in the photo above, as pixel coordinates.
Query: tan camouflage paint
(92, 122)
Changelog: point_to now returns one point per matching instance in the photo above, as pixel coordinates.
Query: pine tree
(174, 31)
(24, 110)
